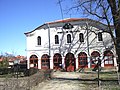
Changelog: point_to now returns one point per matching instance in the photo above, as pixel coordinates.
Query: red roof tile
(67, 20)
(1, 59)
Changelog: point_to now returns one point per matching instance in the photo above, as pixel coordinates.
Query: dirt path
(72, 81)
(60, 85)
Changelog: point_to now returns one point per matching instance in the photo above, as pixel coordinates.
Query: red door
(108, 58)
(69, 62)
(82, 60)
(45, 62)
(33, 61)
(94, 58)
(57, 61)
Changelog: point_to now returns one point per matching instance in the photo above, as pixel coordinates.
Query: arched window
(68, 38)
(81, 37)
(100, 36)
(39, 40)
(56, 39)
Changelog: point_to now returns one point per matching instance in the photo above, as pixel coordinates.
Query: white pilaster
(51, 63)
(76, 63)
(89, 63)
(63, 62)
(102, 61)
(39, 63)
(115, 61)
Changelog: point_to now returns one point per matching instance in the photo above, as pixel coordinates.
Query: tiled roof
(60, 21)
(1, 59)
(12, 59)
(68, 20)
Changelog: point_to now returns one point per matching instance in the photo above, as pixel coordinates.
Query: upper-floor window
(81, 37)
(38, 40)
(56, 39)
(100, 36)
(68, 38)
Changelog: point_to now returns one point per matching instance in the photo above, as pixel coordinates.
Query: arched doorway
(33, 61)
(82, 60)
(45, 62)
(70, 62)
(94, 58)
(57, 61)
(108, 58)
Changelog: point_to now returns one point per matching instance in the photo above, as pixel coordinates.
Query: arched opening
(81, 37)
(82, 60)
(68, 38)
(108, 58)
(70, 62)
(33, 61)
(45, 62)
(56, 39)
(100, 36)
(57, 61)
(39, 40)
(94, 58)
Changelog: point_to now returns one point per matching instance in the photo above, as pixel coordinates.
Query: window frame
(69, 38)
(39, 40)
(56, 39)
(81, 37)
(99, 35)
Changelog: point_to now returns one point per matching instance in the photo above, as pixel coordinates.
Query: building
(9, 61)
(17, 59)
(70, 44)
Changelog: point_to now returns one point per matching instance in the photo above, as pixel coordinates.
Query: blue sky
(20, 16)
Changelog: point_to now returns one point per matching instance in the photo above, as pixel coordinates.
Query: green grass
(102, 75)
(109, 75)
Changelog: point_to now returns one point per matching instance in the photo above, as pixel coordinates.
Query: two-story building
(70, 44)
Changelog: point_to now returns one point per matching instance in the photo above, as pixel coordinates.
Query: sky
(20, 16)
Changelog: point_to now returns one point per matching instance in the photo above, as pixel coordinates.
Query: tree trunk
(118, 45)
(116, 20)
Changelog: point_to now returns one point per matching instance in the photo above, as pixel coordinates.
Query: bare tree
(107, 11)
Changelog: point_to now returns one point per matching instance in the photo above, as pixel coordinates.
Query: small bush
(33, 71)
(5, 71)
(30, 71)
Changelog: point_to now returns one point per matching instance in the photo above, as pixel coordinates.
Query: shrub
(31, 71)
(5, 71)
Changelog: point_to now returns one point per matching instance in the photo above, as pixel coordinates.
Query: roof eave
(64, 21)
